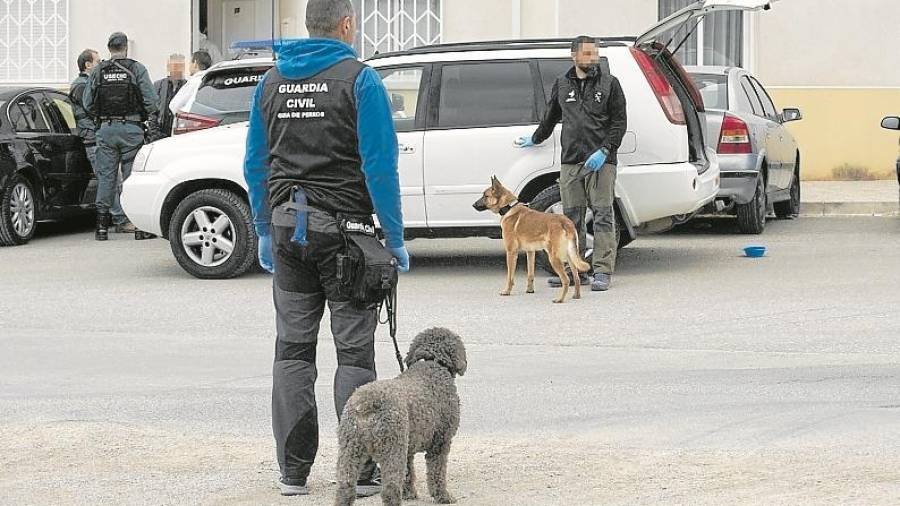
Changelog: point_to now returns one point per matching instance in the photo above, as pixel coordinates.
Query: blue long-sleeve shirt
(301, 59)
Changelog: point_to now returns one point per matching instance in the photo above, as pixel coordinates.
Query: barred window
(396, 25)
(34, 41)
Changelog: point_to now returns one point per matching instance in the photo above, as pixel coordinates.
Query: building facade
(835, 60)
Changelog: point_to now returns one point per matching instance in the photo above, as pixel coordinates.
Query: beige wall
(604, 18)
(842, 126)
(484, 20)
(156, 29)
(829, 43)
(466, 20)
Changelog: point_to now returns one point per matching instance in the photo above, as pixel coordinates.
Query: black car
(44, 170)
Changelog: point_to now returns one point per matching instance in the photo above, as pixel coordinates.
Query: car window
(26, 115)
(403, 85)
(550, 71)
(61, 111)
(755, 104)
(486, 94)
(229, 91)
(714, 89)
(767, 103)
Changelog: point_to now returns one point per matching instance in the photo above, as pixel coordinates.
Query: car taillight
(186, 122)
(663, 90)
(735, 138)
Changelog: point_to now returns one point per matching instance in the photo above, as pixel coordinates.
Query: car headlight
(140, 160)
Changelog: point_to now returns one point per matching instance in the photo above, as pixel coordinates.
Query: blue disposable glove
(265, 253)
(524, 142)
(402, 257)
(596, 161)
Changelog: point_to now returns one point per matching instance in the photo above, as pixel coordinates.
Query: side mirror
(891, 123)
(790, 114)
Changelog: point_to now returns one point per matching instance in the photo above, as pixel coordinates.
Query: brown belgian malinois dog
(529, 230)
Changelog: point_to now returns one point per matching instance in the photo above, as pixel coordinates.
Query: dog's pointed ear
(495, 182)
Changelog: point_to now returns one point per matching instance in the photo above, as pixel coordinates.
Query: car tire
(203, 251)
(790, 208)
(18, 211)
(751, 216)
(550, 200)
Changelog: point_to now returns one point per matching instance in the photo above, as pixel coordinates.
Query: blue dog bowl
(755, 251)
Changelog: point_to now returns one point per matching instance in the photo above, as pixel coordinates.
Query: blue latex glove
(596, 161)
(402, 257)
(524, 142)
(265, 253)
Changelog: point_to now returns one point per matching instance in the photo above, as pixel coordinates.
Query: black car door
(71, 168)
(32, 130)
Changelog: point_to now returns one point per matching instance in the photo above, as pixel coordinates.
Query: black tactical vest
(117, 93)
(311, 126)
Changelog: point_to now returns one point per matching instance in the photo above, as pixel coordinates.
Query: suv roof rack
(500, 45)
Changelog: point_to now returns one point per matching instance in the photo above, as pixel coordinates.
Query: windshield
(714, 89)
(229, 91)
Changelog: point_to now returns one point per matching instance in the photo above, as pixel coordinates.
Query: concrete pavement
(702, 378)
(860, 198)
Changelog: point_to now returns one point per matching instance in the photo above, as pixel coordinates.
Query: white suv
(458, 108)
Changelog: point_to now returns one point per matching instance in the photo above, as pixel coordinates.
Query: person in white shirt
(200, 62)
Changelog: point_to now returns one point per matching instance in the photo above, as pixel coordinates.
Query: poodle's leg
(350, 460)
(409, 485)
(530, 257)
(393, 473)
(436, 462)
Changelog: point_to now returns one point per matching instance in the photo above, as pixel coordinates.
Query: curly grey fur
(392, 420)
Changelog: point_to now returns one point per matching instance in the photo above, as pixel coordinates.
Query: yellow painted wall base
(843, 126)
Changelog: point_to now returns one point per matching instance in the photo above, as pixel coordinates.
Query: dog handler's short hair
(323, 16)
(582, 39)
(85, 56)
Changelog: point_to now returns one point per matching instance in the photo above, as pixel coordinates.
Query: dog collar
(506, 209)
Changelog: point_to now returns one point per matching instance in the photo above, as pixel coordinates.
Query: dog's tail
(574, 250)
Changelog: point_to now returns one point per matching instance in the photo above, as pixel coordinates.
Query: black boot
(103, 221)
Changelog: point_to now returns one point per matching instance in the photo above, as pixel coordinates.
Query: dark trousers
(305, 280)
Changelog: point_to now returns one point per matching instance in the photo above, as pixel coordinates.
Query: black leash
(390, 305)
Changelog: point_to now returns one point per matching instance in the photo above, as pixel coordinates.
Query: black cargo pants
(305, 279)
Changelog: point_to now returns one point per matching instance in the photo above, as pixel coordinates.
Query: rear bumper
(739, 174)
(143, 194)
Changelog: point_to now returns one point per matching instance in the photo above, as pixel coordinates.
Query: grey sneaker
(601, 282)
(293, 486)
(555, 282)
(366, 487)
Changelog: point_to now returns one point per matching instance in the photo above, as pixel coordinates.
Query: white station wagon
(458, 108)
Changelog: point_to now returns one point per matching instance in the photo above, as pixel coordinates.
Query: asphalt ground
(702, 377)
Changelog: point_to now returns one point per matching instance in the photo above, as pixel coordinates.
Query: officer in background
(84, 123)
(120, 97)
(320, 123)
(166, 88)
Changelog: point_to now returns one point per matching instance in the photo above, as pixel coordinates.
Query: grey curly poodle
(392, 420)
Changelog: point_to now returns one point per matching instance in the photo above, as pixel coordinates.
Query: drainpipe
(556, 18)
(516, 19)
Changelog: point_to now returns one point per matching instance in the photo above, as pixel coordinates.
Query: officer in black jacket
(120, 96)
(591, 105)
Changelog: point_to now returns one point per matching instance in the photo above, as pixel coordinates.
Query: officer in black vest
(120, 96)
(322, 144)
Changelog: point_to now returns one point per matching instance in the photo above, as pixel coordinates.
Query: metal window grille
(395, 25)
(34, 41)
